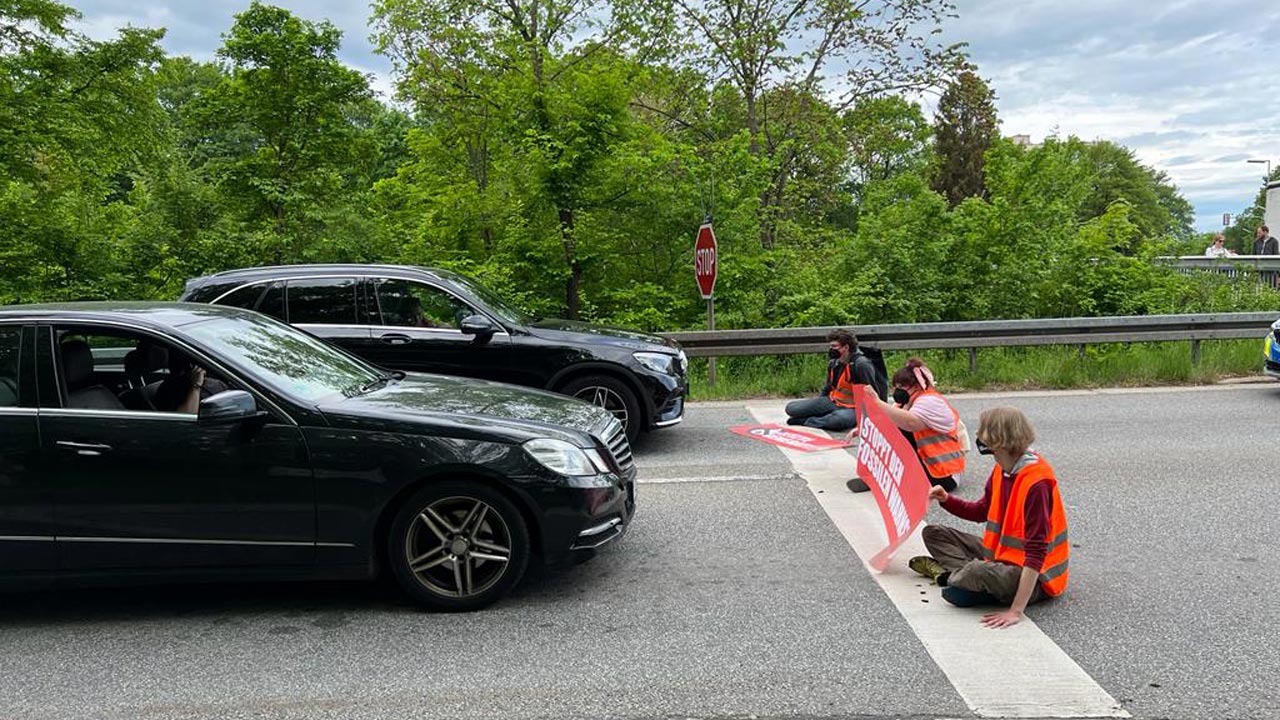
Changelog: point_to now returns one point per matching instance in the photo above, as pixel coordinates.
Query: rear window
(327, 301)
(10, 352)
(245, 297)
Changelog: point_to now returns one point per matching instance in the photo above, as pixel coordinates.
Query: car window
(324, 301)
(272, 302)
(282, 357)
(409, 304)
(10, 352)
(106, 368)
(245, 297)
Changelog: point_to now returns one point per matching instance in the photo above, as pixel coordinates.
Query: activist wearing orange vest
(928, 421)
(1022, 556)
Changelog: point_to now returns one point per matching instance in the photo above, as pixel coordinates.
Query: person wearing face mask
(929, 423)
(1022, 556)
(835, 409)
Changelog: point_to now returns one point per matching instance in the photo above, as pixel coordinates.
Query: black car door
(416, 326)
(164, 489)
(26, 511)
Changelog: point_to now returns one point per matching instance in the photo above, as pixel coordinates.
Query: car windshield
(285, 358)
(496, 303)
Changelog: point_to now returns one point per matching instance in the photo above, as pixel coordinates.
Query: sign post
(704, 271)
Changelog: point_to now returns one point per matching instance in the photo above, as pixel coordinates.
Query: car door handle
(395, 339)
(84, 449)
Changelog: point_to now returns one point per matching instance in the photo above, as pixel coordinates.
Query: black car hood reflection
(462, 402)
(557, 329)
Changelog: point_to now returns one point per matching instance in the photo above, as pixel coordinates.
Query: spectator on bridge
(1218, 248)
(1022, 556)
(1264, 243)
(835, 409)
(929, 423)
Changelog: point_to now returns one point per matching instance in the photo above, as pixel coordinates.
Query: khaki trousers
(960, 553)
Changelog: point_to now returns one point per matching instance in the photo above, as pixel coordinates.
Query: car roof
(153, 314)
(287, 271)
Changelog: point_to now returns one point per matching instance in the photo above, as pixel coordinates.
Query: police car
(1271, 350)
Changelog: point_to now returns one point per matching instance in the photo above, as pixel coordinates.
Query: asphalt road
(733, 596)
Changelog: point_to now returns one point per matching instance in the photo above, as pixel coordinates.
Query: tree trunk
(572, 301)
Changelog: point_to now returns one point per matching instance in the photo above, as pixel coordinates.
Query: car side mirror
(478, 325)
(227, 407)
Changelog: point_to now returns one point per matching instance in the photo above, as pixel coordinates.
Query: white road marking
(714, 478)
(1016, 672)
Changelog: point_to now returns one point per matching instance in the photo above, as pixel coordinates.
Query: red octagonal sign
(704, 261)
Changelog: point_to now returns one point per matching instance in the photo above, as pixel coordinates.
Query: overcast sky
(1193, 86)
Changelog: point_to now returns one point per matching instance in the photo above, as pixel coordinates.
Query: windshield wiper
(379, 381)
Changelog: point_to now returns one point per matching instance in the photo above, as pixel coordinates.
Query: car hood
(557, 329)
(475, 408)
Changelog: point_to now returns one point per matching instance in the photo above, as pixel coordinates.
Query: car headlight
(566, 458)
(657, 362)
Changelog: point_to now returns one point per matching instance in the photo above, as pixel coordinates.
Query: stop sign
(704, 260)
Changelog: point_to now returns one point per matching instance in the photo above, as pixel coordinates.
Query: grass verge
(1030, 368)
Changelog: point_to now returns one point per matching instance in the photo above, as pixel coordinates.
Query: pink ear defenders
(923, 377)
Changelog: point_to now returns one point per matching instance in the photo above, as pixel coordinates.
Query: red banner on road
(888, 465)
(789, 438)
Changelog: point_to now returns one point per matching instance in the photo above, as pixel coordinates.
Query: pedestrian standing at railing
(1218, 248)
(1264, 243)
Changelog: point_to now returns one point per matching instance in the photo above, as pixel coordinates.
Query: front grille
(620, 448)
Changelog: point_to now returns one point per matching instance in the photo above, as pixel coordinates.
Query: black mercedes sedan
(147, 441)
(432, 320)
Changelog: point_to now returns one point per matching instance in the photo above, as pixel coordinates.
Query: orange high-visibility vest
(940, 452)
(841, 392)
(1005, 537)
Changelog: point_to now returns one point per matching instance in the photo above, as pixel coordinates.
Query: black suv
(436, 321)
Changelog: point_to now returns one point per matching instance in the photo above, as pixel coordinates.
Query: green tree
(78, 118)
(288, 151)
(965, 127)
(536, 85)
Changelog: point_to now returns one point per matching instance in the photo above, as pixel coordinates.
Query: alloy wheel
(458, 547)
(606, 398)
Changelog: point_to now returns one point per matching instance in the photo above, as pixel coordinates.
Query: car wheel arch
(387, 514)
(573, 372)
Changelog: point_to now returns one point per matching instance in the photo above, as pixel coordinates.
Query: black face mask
(834, 354)
(983, 448)
(900, 396)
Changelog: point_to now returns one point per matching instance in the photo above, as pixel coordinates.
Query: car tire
(611, 394)
(458, 546)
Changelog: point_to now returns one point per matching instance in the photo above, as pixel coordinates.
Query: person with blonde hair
(1022, 555)
(929, 423)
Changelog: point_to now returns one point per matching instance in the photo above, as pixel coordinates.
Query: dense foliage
(565, 151)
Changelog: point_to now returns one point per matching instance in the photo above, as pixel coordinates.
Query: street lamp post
(1267, 179)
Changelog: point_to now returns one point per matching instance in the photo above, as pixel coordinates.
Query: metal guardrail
(986, 333)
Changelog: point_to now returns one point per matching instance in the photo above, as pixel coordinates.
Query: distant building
(1271, 211)
(1022, 141)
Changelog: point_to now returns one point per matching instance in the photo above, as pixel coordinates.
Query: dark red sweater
(1035, 511)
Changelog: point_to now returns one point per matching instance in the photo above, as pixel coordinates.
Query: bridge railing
(1265, 267)
(987, 333)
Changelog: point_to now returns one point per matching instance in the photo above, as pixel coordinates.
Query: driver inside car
(186, 385)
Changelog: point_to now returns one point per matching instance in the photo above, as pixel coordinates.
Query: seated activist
(1022, 556)
(928, 422)
(835, 409)
(186, 385)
